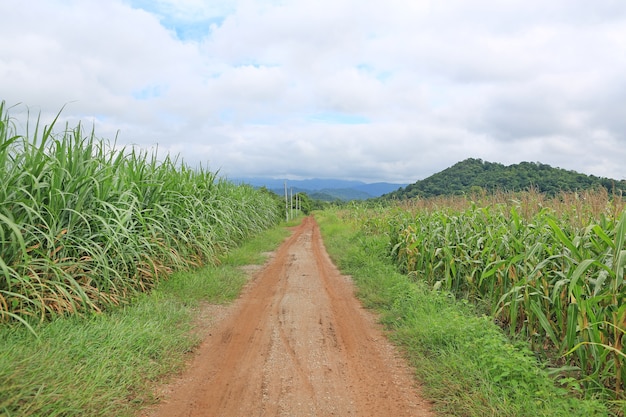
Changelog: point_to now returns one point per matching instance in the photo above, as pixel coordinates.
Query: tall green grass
(555, 278)
(85, 225)
(112, 364)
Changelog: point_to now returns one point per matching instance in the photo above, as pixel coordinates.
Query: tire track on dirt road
(296, 343)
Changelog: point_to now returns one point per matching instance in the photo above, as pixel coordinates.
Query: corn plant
(555, 279)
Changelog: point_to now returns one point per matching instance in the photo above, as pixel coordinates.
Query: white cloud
(369, 90)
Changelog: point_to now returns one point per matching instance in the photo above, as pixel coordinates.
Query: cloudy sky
(372, 90)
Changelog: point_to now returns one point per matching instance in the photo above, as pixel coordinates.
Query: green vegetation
(311, 203)
(556, 281)
(467, 365)
(475, 176)
(339, 195)
(89, 233)
(108, 364)
(85, 226)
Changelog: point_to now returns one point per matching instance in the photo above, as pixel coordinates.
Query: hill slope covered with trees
(475, 175)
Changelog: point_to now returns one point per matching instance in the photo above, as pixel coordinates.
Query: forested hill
(475, 174)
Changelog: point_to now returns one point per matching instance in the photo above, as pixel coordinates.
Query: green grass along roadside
(108, 364)
(466, 364)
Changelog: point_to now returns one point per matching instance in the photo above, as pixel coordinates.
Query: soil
(296, 343)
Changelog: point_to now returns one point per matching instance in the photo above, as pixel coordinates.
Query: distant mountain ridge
(475, 174)
(325, 189)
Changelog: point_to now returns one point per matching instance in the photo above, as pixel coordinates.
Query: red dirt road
(296, 343)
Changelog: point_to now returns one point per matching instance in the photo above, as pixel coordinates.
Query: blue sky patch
(188, 24)
(193, 31)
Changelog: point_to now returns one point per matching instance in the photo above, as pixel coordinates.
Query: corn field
(551, 272)
(85, 225)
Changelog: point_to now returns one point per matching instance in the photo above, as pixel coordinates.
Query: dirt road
(296, 343)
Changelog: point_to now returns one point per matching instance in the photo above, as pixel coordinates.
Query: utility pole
(286, 204)
(291, 205)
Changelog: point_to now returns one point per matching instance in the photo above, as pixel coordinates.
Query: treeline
(475, 176)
